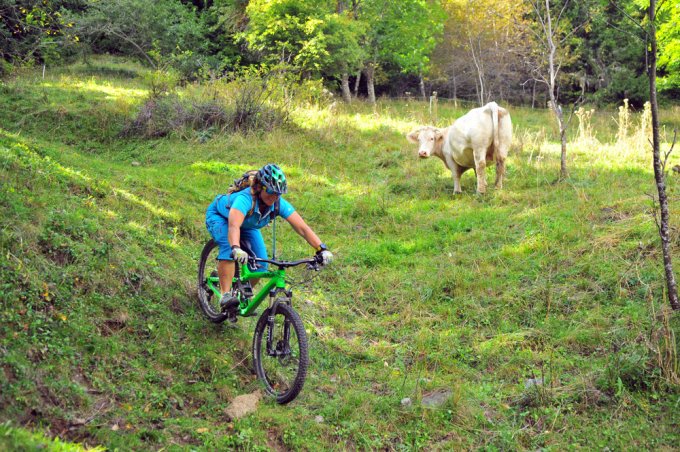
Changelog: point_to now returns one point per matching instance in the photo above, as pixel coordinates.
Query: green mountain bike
(280, 351)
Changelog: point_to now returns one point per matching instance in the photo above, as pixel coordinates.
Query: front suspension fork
(282, 348)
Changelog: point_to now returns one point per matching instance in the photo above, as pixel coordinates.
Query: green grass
(102, 342)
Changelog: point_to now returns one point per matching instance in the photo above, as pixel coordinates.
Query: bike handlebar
(316, 260)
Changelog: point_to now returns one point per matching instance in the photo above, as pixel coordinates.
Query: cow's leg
(480, 169)
(456, 172)
(501, 155)
(500, 170)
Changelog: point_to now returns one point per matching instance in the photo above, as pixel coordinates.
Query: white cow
(481, 135)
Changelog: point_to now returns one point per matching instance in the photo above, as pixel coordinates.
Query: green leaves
(403, 33)
(668, 36)
(154, 32)
(308, 35)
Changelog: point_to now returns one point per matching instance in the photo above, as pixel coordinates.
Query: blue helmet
(272, 177)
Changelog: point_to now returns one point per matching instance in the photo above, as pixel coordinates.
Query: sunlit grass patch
(112, 92)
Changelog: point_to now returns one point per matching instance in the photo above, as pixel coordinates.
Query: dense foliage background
(473, 50)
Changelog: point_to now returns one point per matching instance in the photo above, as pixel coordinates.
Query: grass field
(537, 312)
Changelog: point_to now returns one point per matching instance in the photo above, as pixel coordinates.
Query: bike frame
(276, 280)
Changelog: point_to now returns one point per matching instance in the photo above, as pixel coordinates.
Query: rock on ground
(243, 405)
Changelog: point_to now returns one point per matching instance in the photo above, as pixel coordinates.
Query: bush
(162, 115)
(161, 82)
(625, 84)
(247, 102)
(255, 106)
(313, 92)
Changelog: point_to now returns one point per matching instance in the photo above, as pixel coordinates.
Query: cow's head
(429, 139)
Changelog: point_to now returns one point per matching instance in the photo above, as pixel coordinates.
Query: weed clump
(585, 129)
(162, 115)
(624, 122)
(244, 103)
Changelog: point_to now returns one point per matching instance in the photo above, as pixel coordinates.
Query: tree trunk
(368, 72)
(356, 83)
(422, 87)
(563, 155)
(135, 45)
(554, 89)
(344, 80)
(454, 86)
(476, 59)
(346, 93)
(557, 110)
(664, 229)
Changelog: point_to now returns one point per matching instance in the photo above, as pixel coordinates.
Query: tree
(659, 166)
(33, 29)
(226, 20)
(310, 36)
(149, 30)
(479, 52)
(349, 9)
(553, 31)
(403, 33)
(609, 55)
(343, 36)
(668, 35)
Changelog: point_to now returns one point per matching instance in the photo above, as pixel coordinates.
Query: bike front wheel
(281, 364)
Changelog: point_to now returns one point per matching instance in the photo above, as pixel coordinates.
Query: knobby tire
(260, 352)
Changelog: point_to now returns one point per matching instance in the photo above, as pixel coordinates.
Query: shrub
(161, 82)
(249, 101)
(161, 115)
(156, 118)
(261, 102)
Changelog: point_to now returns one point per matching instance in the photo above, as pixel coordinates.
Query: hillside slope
(533, 311)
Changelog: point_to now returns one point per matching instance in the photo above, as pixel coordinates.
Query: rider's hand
(326, 257)
(239, 255)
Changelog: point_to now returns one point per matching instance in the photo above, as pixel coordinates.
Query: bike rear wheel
(207, 299)
(283, 367)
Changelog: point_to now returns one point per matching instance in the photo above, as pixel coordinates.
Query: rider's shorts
(251, 241)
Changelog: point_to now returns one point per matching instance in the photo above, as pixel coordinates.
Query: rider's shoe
(229, 302)
(226, 299)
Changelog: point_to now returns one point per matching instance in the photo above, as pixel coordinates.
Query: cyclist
(234, 220)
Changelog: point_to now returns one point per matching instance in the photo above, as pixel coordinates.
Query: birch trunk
(659, 177)
(346, 93)
(368, 72)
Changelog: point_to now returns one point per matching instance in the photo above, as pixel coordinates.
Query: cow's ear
(413, 136)
(439, 134)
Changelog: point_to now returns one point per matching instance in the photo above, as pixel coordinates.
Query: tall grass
(535, 312)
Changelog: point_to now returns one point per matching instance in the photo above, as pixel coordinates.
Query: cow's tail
(493, 106)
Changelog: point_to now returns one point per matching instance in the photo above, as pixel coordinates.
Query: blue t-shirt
(218, 210)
